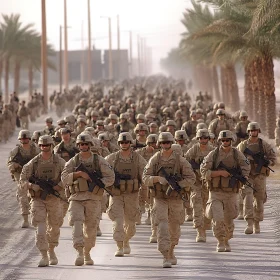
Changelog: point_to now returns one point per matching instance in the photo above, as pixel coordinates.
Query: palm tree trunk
(30, 80)
(1, 72)
(269, 91)
(248, 91)
(224, 85)
(7, 69)
(17, 76)
(255, 91)
(234, 103)
(216, 86)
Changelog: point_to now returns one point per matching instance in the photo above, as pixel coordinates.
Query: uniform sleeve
(206, 167)
(67, 173)
(25, 174)
(244, 164)
(61, 168)
(142, 164)
(148, 173)
(189, 155)
(187, 174)
(10, 164)
(110, 159)
(270, 153)
(107, 172)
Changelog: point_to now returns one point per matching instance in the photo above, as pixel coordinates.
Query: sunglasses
(225, 140)
(165, 142)
(124, 142)
(203, 137)
(45, 145)
(84, 144)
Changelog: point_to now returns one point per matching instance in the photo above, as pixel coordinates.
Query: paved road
(252, 257)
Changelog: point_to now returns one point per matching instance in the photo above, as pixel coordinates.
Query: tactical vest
(127, 168)
(66, 153)
(221, 183)
(171, 167)
(81, 185)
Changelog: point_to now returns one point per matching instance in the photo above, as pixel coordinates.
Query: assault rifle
(173, 183)
(47, 187)
(195, 165)
(18, 158)
(235, 176)
(241, 135)
(119, 177)
(259, 159)
(95, 178)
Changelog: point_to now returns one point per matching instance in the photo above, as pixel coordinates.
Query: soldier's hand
(35, 187)
(57, 188)
(224, 173)
(85, 176)
(162, 180)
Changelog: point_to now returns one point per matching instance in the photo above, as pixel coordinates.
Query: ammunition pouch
(165, 192)
(222, 184)
(81, 185)
(126, 186)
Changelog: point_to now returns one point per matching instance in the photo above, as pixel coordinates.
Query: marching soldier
(19, 156)
(222, 203)
(46, 209)
(257, 150)
(168, 209)
(85, 203)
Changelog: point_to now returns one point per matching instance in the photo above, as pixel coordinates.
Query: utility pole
(65, 48)
(60, 58)
(139, 54)
(44, 57)
(89, 47)
(130, 54)
(83, 55)
(119, 74)
(110, 51)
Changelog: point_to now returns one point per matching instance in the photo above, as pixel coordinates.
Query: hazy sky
(156, 20)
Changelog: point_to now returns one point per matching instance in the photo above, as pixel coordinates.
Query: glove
(162, 180)
(35, 187)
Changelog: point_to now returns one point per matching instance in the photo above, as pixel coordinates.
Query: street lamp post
(89, 46)
(65, 48)
(44, 57)
(60, 59)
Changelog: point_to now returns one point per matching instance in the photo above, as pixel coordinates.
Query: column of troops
(135, 149)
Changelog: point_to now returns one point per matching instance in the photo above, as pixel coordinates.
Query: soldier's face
(125, 145)
(84, 147)
(45, 148)
(203, 140)
(226, 142)
(181, 142)
(254, 133)
(24, 140)
(166, 145)
(142, 133)
(65, 136)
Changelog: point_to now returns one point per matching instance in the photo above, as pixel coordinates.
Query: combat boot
(201, 235)
(80, 257)
(119, 252)
(45, 260)
(166, 262)
(189, 217)
(98, 232)
(172, 258)
(148, 220)
(227, 246)
(240, 213)
(249, 228)
(221, 247)
(52, 256)
(257, 228)
(126, 248)
(87, 259)
(25, 223)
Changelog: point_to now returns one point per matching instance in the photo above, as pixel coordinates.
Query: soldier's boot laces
(87, 259)
(119, 252)
(52, 256)
(98, 232)
(172, 258)
(45, 260)
(221, 247)
(201, 235)
(166, 262)
(257, 228)
(25, 223)
(249, 228)
(80, 257)
(126, 247)
(227, 246)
